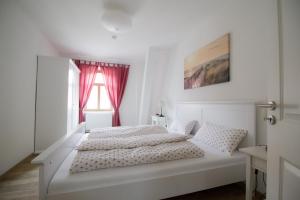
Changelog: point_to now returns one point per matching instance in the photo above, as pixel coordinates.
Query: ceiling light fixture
(116, 21)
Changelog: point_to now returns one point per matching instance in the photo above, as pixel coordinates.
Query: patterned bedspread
(99, 159)
(110, 143)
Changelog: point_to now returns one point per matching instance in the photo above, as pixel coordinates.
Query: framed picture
(208, 65)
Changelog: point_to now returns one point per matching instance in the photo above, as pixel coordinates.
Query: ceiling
(74, 26)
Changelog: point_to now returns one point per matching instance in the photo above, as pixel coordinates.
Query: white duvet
(143, 149)
(110, 143)
(126, 131)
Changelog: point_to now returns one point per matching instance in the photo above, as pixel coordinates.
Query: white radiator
(98, 119)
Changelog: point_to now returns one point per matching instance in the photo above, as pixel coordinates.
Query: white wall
(20, 43)
(129, 110)
(253, 39)
(157, 59)
(253, 29)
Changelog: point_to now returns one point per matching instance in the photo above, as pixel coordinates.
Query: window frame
(98, 109)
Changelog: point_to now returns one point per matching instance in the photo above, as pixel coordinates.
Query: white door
(284, 137)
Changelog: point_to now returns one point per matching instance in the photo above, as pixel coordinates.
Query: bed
(151, 181)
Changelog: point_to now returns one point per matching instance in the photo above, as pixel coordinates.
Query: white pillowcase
(219, 137)
(189, 127)
(179, 127)
(175, 127)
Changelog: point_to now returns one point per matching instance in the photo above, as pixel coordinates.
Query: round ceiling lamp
(116, 21)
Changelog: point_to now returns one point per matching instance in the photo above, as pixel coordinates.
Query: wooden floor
(21, 182)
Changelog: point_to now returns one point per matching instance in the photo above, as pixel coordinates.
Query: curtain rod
(108, 64)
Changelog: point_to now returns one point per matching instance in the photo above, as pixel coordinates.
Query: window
(98, 100)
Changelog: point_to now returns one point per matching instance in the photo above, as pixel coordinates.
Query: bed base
(160, 188)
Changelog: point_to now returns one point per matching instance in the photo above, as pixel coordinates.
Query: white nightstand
(160, 121)
(256, 159)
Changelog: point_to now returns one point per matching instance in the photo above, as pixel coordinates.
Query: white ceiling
(74, 26)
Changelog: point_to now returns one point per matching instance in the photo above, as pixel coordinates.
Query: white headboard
(230, 114)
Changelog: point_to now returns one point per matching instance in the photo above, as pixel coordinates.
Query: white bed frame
(231, 114)
(50, 159)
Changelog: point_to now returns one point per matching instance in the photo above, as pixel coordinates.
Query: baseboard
(37, 152)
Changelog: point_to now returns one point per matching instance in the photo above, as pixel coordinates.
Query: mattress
(64, 182)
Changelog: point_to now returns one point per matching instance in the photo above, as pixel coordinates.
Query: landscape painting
(208, 65)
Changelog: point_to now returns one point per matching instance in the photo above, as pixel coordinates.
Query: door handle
(271, 119)
(271, 104)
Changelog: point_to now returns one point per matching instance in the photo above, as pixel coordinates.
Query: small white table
(158, 120)
(256, 159)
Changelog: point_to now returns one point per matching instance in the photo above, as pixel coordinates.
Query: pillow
(219, 137)
(176, 127)
(179, 127)
(189, 127)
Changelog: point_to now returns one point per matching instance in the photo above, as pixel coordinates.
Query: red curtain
(87, 77)
(115, 83)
